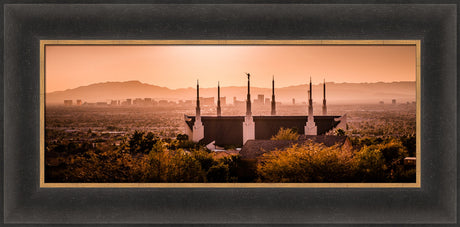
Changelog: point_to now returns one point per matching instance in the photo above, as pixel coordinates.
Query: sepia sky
(180, 66)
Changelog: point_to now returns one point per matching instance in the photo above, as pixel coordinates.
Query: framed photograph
(103, 134)
(230, 113)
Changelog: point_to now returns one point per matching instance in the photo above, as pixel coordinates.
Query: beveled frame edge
(417, 44)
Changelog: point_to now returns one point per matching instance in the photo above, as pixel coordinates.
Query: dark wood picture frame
(25, 201)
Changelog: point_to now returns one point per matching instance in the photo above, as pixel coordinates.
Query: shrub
(286, 134)
(172, 166)
(218, 173)
(381, 162)
(310, 162)
(182, 137)
(140, 142)
(370, 166)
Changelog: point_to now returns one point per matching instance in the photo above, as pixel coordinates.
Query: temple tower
(248, 98)
(273, 97)
(248, 124)
(198, 129)
(310, 126)
(324, 98)
(310, 101)
(219, 112)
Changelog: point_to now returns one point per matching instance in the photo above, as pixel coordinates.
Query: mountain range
(403, 91)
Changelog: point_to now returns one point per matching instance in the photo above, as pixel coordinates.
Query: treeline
(369, 160)
(143, 157)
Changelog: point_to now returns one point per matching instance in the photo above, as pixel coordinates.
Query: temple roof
(191, 120)
(252, 149)
(228, 130)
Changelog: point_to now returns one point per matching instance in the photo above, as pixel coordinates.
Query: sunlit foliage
(143, 157)
(126, 144)
(310, 162)
(286, 134)
(313, 162)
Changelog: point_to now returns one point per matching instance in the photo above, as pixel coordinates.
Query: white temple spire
(310, 126)
(198, 129)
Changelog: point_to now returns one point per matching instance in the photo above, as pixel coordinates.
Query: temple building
(237, 130)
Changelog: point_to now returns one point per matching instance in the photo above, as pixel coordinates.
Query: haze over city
(178, 66)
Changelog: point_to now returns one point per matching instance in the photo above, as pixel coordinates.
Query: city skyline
(70, 67)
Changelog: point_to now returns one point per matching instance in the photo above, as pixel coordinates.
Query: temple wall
(228, 130)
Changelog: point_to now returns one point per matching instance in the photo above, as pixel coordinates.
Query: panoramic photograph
(230, 113)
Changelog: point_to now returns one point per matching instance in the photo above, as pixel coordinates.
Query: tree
(309, 162)
(182, 137)
(409, 142)
(370, 166)
(381, 162)
(218, 173)
(163, 165)
(340, 132)
(139, 142)
(286, 134)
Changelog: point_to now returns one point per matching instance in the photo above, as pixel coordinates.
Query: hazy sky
(180, 66)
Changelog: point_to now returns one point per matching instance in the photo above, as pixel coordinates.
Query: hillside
(335, 92)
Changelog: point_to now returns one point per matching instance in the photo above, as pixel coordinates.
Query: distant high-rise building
(79, 102)
(68, 102)
(128, 101)
(393, 101)
(260, 99)
(267, 101)
(138, 101)
(223, 101)
(293, 101)
(237, 102)
(148, 101)
(207, 101)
